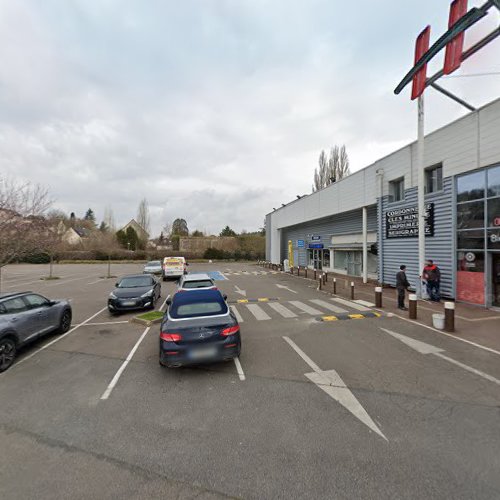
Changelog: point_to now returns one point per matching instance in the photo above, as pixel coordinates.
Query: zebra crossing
(229, 272)
(292, 309)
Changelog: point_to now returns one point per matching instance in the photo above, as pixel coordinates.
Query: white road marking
(98, 281)
(68, 281)
(39, 280)
(423, 348)
(305, 307)
(364, 303)
(285, 288)
(350, 303)
(239, 368)
(258, 312)
(468, 368)
(302, 354)
(59, 338)
(164, 302)
(237, 314)
(237, 289)
(106, 323)
(328, 306)
(331, 383)
(118, 374)
(281, 309)
(479, 346)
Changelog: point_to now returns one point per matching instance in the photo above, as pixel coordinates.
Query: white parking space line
(39, 280)
(69, 281)
(350, 303)
(98, 281)
(237, 314)
(239, 369)
(305, 308)
(281, 309)
(118, 374)
(60, 337)
(106, 323)
(164, 302)
(258, 312)
(328, 306)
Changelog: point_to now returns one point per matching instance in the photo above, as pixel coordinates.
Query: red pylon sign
(421, 47)
(454, 49)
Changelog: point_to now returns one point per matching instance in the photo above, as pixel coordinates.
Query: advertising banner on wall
(403, 222)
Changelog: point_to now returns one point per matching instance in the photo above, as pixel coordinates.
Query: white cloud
(213, 111)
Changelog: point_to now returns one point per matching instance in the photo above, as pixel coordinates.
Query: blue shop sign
(316, 245)
(301, 244)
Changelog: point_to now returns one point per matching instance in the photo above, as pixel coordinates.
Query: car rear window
(197, 284)
(197, 308)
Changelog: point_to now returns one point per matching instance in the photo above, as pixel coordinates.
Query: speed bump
(249, 301)
(349, 316)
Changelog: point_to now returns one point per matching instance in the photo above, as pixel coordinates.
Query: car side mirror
(187, 264)
(117, 284)
(51, 303)
(224, 297)
(168, 302)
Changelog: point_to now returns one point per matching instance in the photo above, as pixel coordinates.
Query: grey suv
(24, 317)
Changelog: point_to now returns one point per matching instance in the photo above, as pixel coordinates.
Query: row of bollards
(448, 321)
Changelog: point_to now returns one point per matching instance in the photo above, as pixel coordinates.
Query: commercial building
(366, 224)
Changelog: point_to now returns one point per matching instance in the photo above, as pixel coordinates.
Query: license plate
(203, 353)
(128, 303)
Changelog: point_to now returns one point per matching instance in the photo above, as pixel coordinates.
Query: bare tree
(23, 228)
(109, 219)
(143, 215)
(331, 170)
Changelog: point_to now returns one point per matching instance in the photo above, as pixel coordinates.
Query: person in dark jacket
(432, 276)
(402, 285)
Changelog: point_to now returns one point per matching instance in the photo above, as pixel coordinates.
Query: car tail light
(230, 331)
(170, 337)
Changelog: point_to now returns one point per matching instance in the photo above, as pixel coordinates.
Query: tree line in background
(30, 230)
(331, 169)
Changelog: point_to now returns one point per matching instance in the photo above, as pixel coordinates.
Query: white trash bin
(438, 321)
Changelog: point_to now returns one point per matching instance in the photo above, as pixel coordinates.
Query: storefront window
(470, 187)
(470, 240)
(493, 237)
(340, 259)
(494, 181)
(470, 277)
(470, 215)
(494, 212)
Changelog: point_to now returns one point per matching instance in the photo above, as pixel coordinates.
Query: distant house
(74, 235)
(141, 232)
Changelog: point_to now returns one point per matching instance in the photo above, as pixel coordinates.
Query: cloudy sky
(213, 110)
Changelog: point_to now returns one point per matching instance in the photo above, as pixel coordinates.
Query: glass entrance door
(317, 259)
(495, 279)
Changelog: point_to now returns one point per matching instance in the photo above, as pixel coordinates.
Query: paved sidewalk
(473, 323)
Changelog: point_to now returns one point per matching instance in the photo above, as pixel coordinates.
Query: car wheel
(65, 323)
(8, 351)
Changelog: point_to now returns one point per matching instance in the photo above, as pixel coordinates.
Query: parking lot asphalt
(369, 407)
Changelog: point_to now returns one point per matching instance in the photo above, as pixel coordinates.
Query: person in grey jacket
(402, 285)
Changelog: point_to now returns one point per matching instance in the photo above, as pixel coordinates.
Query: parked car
(198, 281)
(135, 291)
(198, 328)
(174, 267)
(153, 267)
(26, 316)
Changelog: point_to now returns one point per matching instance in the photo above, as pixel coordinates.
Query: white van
(173, 267)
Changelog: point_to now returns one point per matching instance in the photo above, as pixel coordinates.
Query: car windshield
(197, 284)
(136, 282)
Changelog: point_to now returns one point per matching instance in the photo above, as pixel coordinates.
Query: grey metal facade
(268, 240)
(346, 223)
(440, 247)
